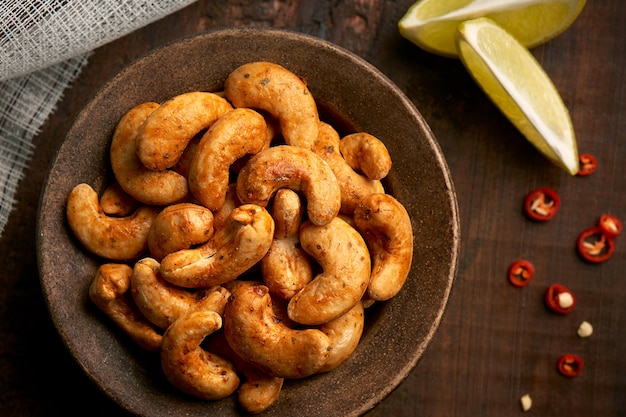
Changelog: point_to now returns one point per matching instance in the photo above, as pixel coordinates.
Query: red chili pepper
(588, 164)
(610, 225)
(569, 365)
(594, 245)
(542, 204)
(559, 299)
(521, 272)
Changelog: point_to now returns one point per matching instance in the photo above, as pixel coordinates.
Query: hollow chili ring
(569, 365)
(559, 299)
(587, 163)
(542, 204)
(610, 225)
(594, 245)
(521, 272)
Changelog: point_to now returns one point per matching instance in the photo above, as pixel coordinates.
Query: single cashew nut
(366, 153)
(258, 337)
(258, 391)
(354, 186)
(109, 292)
(296, 168)
(162, 303)
(287, 212)
(237, 133)
(190, 368)
(232, 250)
(148, 186)
(386, 226)
(115, 238)
(280, 92)
(165, 134)
(179, 226)
(344, 333)
(117, 202)
(343, 255)
(286, 268)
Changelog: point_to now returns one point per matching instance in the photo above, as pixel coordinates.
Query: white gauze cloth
(44, 44)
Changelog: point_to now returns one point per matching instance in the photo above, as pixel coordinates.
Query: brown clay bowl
(353, 95)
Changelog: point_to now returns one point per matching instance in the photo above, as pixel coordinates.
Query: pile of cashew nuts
(242, 238)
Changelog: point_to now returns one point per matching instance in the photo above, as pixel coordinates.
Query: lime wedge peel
(432, 24)
(517, 84)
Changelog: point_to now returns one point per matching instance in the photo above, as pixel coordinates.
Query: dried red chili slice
(587, 163)
(570, 365)
(521, 272)
(559, 299)
(542, 204)
(594, 245)
(610, 225)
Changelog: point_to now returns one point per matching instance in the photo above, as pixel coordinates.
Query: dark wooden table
(495, 342)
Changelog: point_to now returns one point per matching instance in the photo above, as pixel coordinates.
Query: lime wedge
(520, 88)
(432, 24)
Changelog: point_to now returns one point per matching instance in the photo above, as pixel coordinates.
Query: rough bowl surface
(349, 90)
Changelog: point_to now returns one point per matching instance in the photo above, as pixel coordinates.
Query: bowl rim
(367, 402)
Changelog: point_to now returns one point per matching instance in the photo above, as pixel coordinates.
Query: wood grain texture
(496, 342)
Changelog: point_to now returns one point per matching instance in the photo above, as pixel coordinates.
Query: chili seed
(585, 329)
(565, 300)
(526, 402)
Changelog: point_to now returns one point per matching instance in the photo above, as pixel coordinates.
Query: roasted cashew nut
(366, 153)
(148, 186)
(179, 226)
(115, 238)
(109, 291)
(343, 255)
(237, 133)
(260, 338)
(286, 267)
(287, 212)
(296, 168)
(162, 303)
(190, 368)
(354, 186)
(280, 92)
(344, 333)
(117, 202)
(232, 250)
(386, 226)
(165, 134)
(257, 390)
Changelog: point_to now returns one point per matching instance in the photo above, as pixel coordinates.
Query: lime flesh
(432, 24)
(520, 88)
